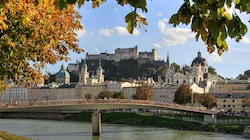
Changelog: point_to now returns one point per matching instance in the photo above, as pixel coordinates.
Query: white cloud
(156, 45)
(121, 30)
(106, 32)
(80, 33)
(117, 30)
(216, 57)
(245, 40)
(159, 14)
(174, 36)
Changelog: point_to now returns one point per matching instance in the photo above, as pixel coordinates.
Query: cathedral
(198, 75)
(86, 79)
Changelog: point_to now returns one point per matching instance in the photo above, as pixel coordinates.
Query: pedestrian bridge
(97, 105)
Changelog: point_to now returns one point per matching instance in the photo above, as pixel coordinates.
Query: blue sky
(105, 30)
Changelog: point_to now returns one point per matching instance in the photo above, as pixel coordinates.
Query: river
(64, 130)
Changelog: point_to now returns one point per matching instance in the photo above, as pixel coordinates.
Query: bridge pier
(209, 118)
(96, 123)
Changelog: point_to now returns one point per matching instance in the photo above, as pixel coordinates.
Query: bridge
(97, 105)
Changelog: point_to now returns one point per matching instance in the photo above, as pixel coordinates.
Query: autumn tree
(143, 92)
(246, 102)
(50, 32)
(208, 100)
(119, 95)
(183, 95)
(105, 94)
(34, 33)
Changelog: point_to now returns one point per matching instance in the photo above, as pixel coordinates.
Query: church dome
(63, 73)
(199, 60)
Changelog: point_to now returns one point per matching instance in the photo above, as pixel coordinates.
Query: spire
(62, 67)
(168, 60)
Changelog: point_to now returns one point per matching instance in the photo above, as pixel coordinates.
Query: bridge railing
(108, 101)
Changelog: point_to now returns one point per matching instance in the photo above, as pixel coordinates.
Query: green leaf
(60, 4)
(211, 1)
(80, 3)
(225, 46)
(71, 1)
(219, 40)
(122, 2)
(223, 34)
(131, 20)
(138, 3)
(174, 20)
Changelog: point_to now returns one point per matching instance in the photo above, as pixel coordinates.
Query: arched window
(194, 80)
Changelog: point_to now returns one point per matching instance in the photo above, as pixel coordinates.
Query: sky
(105, 30)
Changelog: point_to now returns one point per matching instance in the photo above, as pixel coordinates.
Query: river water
(61, 130)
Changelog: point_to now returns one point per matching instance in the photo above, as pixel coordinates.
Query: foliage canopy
(143, 92)
(212, 20)
(36, 31)
(208, 100)
(183, 95)
(33, 34)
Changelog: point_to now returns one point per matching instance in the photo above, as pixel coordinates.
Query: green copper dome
(63, 73)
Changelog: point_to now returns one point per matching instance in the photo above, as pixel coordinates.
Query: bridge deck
(97, 104)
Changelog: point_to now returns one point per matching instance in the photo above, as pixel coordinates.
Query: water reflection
(60, 130)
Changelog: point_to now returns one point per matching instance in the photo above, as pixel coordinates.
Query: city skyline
(105, 30)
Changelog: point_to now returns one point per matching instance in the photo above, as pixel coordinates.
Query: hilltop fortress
(122, 54)
(119, 55)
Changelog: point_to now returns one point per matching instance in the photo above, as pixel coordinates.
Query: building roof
(199, 60)
(62, 73)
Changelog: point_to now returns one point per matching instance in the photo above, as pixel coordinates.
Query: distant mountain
(245, 76)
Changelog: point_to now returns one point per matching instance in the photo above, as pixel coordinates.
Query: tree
(33, 34)
(119, 95)
(246, 102)
(183, 95)
(143, 92)
(208, 100)
(212, 70)
(186, 68)
(212, 20)
(105, 94)
(176, 67)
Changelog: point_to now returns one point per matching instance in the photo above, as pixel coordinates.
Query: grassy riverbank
(8, 136)
(158, 121)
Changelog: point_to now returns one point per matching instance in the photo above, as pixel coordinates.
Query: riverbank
(8, 136)
(158, 121)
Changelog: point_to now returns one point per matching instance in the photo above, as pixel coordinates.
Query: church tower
(169, 72)
(99, 73)
(84, 74)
